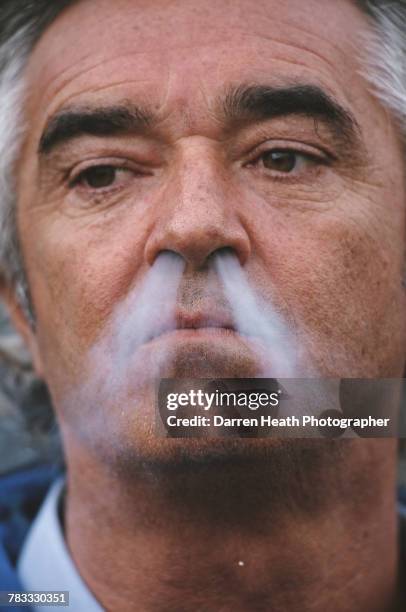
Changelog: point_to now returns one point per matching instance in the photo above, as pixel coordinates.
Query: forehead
(180, 53)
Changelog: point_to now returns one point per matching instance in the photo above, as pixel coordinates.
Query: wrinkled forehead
(186, 50)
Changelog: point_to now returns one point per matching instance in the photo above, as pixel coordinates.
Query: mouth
(200, 344)
(187, 324)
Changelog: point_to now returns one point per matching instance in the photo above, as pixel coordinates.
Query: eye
(285, 162)
(102, 177)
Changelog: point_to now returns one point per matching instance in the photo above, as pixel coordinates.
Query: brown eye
(280, 161)
(98, 177)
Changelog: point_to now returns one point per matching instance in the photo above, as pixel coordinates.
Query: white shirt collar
(45, 563)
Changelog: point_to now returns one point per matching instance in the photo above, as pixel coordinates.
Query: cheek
(337, 274)
(354, 302)
(77, 276)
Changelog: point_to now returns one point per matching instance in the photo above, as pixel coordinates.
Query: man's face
(191, 128)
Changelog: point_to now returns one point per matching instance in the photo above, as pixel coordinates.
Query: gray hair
(21, 25)
(385, 55)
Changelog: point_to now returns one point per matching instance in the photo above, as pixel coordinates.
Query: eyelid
(74, 174)
(317, 153)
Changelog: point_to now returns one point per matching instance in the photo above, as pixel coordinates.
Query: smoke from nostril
(256, 319)
(115, 362)
(149, 309)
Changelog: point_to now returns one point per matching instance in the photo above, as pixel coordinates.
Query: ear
(22, 325)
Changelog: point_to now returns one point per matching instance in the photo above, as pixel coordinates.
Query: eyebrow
(241, 104)
(261, 103)
(102, 121)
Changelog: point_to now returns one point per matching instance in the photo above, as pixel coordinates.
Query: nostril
(171, 260)
(218, 253)
(224, 252)
(169, 254)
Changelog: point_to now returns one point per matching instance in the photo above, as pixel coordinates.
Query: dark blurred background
(28, 432)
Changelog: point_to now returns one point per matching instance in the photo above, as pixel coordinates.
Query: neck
(286, 531)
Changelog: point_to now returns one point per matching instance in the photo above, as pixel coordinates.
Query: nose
(197, 212)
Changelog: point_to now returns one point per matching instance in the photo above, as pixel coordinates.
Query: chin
(115, 411)
(147, 451)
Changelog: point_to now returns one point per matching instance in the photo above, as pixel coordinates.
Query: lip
(196, 324)
(202, 320)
